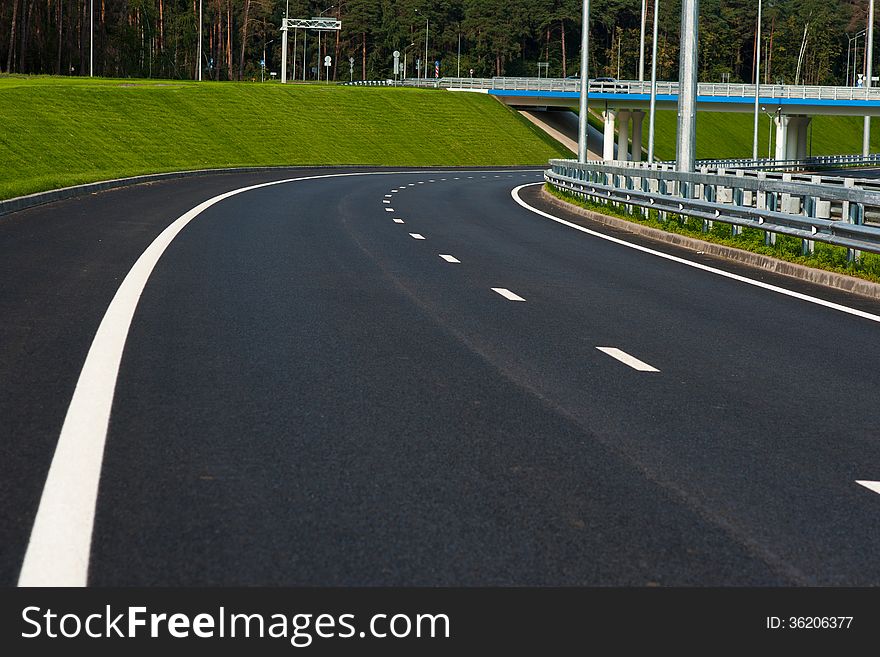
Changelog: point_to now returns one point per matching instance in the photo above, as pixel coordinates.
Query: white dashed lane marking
(398, 221)
(449, 258)
(507, 294)
(389, 209)
(626, 359)
(870, 485)
(416, 236)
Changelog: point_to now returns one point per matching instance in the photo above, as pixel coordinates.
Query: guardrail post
(709, 194)
(808, 247)
(854, 213)
(766, 201)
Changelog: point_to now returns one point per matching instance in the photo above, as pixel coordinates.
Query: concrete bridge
(625, 103)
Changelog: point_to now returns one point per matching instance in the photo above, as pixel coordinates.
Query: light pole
(405, 51)
(855, 58)
(425, 67)
(642, 42)
(770, 131)
(653, 105)
(583, 106)
(91, 38)
(686, 147)
(199, 63)
(458, 69)
(263, 67)
(319, 43)
(757, 81)
(866, 137)
(851, 83)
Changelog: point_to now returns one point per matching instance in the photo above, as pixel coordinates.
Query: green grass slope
(729, 134)
(65, 131)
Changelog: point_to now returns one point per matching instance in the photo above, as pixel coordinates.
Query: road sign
(327, 60)
(396, 54)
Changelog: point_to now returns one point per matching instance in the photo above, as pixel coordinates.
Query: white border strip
(696, 265)
(60, 541)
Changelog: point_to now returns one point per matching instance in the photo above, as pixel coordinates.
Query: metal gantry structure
(319, 24)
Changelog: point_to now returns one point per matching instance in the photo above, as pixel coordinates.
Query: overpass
(623, 101)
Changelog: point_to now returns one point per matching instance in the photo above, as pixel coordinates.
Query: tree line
(805, 41)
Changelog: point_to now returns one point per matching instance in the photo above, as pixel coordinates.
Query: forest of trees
(159, 38)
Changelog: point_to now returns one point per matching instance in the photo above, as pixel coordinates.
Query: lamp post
(263, 67)
(91, 38)
(405, 51)
(425, 67)
(642, 42)
(757, 81)
(583, 106)
(852, 82)
(869, 56)
(319, 43)
(199, 57)
(653, 105)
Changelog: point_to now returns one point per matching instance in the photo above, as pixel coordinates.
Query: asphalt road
(310, 395)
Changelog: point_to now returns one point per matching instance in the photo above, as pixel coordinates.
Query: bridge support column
(610, 117)
(781, 122)
(637, 116)
(803, 125)
(791, 137)
(623, 135)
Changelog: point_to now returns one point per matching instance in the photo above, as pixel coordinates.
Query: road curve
(407, 378)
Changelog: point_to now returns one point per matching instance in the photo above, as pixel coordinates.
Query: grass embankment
(826, 256)
(66, 131)
(728, 135)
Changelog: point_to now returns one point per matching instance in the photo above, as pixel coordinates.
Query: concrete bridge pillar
(623, 135)
(791, 137)
(802, 132)
(781, 121)
(637, 116)
(610, 118)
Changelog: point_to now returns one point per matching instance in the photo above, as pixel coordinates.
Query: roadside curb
(768, 263)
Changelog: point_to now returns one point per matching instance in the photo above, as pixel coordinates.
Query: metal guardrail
(779, 91)
(813, 162)
(367, 83)
(812, 208)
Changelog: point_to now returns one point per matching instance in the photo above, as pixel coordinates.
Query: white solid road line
(398, 221)
(870, 485)
(449, 258)
(416, 236)
(507, 294)
(61, 537)
(626, 359)
(696, 265)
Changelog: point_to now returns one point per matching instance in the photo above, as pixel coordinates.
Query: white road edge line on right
(626, 359)
(696, 265)
(507, 294)
(870, 485)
